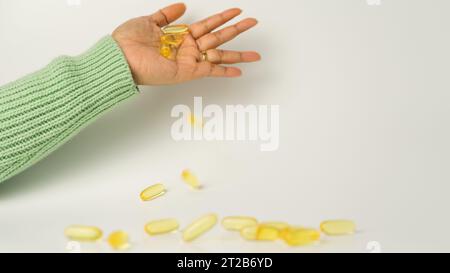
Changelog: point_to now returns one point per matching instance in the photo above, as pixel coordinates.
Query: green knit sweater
(41, 111)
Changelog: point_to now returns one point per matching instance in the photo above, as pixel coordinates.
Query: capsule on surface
(260, 233)
(267, 233)
(161, 226)
(83, 233)
(195, 121)
(238, 222)
(199, 227)
(119, 240)
(153, 192)
(277, 225)
(300, 236)
(249, 233)
(190, 179)
(338, 227)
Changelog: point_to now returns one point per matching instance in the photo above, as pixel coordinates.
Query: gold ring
(204, 57)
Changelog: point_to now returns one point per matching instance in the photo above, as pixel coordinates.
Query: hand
(139, 39)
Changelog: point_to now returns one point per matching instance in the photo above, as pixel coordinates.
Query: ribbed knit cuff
(43, 110)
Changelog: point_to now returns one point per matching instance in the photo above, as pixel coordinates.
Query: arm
(41, 111)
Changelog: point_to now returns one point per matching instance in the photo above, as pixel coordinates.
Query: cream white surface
(364, 130)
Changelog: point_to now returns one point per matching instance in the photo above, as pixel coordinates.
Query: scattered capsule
(338, 227)
(83, 233)
(194, 121)
(260, 233)
(153, 192)
(300, 236)
(277, 225)
(267, 233)
(238, 222)
(119, 240)
(161, 226)
(199, 227)
(190, 179)
(249, 233)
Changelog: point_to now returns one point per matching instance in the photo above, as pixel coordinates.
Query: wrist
(122, 44)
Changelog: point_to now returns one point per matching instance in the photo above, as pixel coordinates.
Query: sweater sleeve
(41, 111)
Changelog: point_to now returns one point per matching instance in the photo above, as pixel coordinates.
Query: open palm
(139, 39)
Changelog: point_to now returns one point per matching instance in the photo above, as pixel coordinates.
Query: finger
(225, 72)
(168, 14)
(207, 69)
(218, 56)
(207, 25)
(215, 39)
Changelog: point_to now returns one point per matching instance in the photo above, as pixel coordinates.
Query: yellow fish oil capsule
(175, 29)
(300, 236)
(267, 233)
(161, 226)
(190, 179)
(277, 225)
(237, 223)
(153, 192)
(165, 51)
(338, 227)
(249, 233)
(195, 121)
(260, 233)
(119, 240)
(171, 39)
(199, 227)
(83, 233)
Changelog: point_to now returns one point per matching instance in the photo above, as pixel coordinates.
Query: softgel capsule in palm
(171, 39)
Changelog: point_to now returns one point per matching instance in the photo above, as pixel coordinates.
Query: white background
(364, 129)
